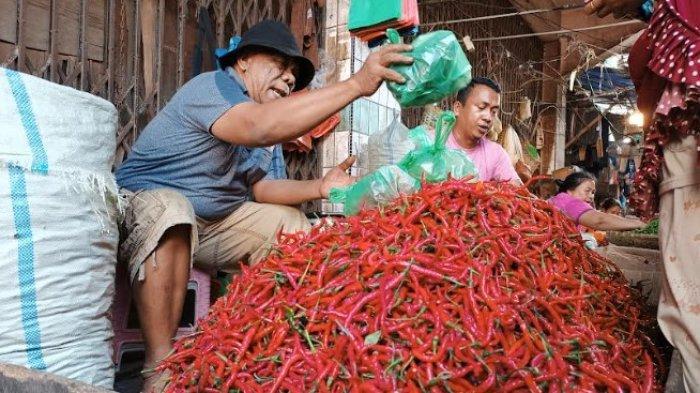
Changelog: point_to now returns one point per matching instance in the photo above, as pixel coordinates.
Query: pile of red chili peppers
(460, 287)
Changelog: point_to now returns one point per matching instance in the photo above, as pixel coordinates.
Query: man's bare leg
(160, 296)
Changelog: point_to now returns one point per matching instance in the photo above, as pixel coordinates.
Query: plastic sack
(439, 69)
(377, 188)
(390, 145)
(434, 162)
(58, 229)
(429, 160)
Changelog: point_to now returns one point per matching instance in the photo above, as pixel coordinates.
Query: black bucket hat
(276, 36)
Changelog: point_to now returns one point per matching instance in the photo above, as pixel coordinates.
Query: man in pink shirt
(476, 107)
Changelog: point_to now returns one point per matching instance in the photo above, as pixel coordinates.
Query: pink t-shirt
(489, 158)
(572, 207)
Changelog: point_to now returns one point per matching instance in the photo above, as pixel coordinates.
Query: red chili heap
(460, 287)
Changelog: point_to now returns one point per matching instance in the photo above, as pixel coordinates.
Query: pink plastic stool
(127, 334)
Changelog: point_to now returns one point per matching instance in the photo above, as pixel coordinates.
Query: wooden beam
(160, 45)
(148, 12)
(572, 123)
(82, 48)
(539, 23)
(551, 90)
(622, 47)
(181, 27)
(583, 131)
(111, 27)
(21, 62)
(53, 42)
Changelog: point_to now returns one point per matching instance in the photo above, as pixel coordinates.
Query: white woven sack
(58, 231)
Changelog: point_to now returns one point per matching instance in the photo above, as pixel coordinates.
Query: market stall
(443, 264)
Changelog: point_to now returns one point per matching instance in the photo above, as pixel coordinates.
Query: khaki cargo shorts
(247, 234)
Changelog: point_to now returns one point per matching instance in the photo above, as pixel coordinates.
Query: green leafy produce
(651, 229)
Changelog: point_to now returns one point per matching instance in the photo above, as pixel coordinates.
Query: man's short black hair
(479, 80)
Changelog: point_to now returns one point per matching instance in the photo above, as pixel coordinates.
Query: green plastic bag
(366, 13)
(439, 69)
(429, 160)
(377, 188)
(434, 162)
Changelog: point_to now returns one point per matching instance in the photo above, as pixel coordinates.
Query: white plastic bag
(390, 145)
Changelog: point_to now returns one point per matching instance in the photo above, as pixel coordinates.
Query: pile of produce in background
(651, 229)
(647, 237)
(459, 287)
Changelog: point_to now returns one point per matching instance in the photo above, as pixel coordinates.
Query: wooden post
(181, 26)
(554, 112)
(21, 52)
(53, 42)
(135, 78)
(148, 12)
(549, 97)
(584, 130)
(111, 22)
(159, 55)
(82, 48)
(560, 129)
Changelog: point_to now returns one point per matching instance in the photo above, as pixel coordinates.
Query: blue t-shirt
(177, 150)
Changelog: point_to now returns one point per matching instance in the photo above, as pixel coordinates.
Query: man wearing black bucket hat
(206, 180)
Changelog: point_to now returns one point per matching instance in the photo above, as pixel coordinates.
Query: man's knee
(152, 217)
(289, 219)
(177, 237)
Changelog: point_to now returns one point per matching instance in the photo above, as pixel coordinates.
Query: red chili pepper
(461, 286)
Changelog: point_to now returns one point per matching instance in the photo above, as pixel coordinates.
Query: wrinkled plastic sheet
(439, 69)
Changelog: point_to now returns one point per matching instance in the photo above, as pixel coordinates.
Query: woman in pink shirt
(476, 106)
(575, 200)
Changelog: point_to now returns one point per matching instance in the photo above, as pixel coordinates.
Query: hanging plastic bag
(434, 162)
(439, 69)
(430, 160)
(385, 183)
(377, 188)
(390, 145)
(367, 13)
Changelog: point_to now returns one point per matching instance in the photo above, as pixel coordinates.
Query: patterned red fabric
(680, 121)
(676, 41)
(665, 67)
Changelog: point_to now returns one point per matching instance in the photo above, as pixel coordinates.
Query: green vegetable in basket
(651, 229)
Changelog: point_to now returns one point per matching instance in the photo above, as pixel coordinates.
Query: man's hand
(619, 8)
(376, 68)
(337, 177)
